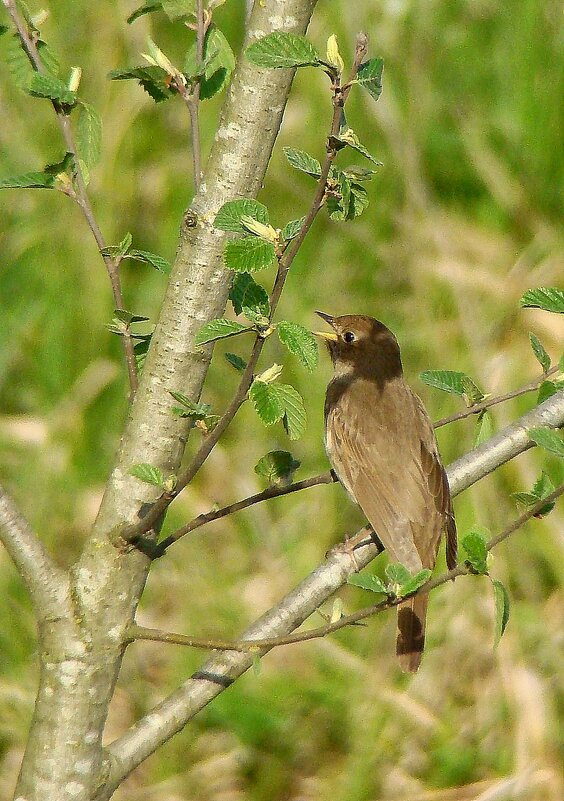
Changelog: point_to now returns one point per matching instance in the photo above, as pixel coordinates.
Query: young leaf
(300, 160)
(484, 427)
(199, 411)
(416, 581)
(333, 55)
(538, 349)
(277, 467)
(140, 349)
(543, 486)
(248, 254)
(398, 575)
(348, 136)
(474, 543)
(148, 474)
(280, 49)
(127, 317)
(501, 600)
(158, 262)
(147, 8)
(294, 412)
(218, 329)
(268, 405)
(42, 85)
(219, 63)
(548, 388)
(89, 134)
(368, 582)
(153, 80)
(29, 180)
(236, 361)
(228, 218)
(453, 381)
(292, 229)
(548, 439)
(300, 342)
(358, 202)
(369, 75)
(339, 195)
(547, 298)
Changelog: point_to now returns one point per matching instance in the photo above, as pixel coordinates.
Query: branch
(132, 534)
(463, 569)
(80, 195)
(41, 577)
(172, 714)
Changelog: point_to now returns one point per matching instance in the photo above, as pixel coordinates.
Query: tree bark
(82, 646)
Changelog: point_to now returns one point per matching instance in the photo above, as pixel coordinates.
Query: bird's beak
(329, 336)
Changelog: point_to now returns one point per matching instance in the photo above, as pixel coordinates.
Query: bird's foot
(350, 545)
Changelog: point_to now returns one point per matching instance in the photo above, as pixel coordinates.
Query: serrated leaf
(156, 261)
(255, 298)
(368, 582)
(300, 342)
(474, 543)
(255, 317)
(501, 601)
(548, 439)
(152, 79)
(300, 160)
(453, 381)
(267, 403)
(236, 361)
(295, 415)
(51, 88)
(281, 50)
(146, 8)
(277, 467)
(125, 244)
(228, 218)
(415, 582)
(292, 229)
(542, 487)
(248, 254)
(198, 411)
(370, 76)
(29, 180)
(339, 198)
(148, 474)
(549, 388)
(218, 329)
(240, 284)
(484, 428)
(547, 298)
(219, 63)
(348, 136)
(358, 201)
(397, 574)
(127, 318)
(538, 349)
(89, 134)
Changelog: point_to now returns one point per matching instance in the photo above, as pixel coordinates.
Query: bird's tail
(411, 633)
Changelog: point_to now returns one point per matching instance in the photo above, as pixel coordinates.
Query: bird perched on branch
(381, 444)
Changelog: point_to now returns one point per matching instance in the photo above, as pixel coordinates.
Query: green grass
(464, 217)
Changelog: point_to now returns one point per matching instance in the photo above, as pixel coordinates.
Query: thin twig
(141, 633)
(485, 404)
(132, 533)
(81, 195)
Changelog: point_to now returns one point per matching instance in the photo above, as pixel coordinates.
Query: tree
(86, 615)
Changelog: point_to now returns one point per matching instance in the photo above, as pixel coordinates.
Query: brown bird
(381, 444)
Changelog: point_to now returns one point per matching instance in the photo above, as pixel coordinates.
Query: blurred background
(464, 216)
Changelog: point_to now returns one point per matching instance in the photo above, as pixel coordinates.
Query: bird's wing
(388, 462)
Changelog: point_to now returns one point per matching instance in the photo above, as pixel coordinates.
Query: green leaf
(256, 299)
(474, 543)
(127, 318)
(156, 261)
(29, 180)
(398, 575)
(484, 428)
(295, 418)
(241, 282)
(277, 467)
(370, 76)
(268, 405)
(52, 88)
(348, 137)
(455, 382)
(543, 486)
(179, 9)
(368, 582)
(358, 202)
(3, 29)
(248, 254)
(501, 600)
(292, 229)
(148, 474)
(218, 329)
(219, 63)
(300, 342)
(339, 196)
(280, 49)
(140, 350)
(547, 298)
(300, 160)
(228, 218)
(89, 134)
(146, 8)
(549, 388)
(538, 349)
(190, 408)
(236, 361)
(153, 80)
(548, 439)
(415, 582)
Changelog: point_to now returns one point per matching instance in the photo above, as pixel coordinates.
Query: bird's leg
(351, 543)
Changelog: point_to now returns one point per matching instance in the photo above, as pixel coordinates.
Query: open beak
(329, 336)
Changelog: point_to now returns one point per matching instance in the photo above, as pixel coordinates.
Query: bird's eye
(348, 336)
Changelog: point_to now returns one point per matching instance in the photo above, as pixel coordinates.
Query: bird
(381, 444)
